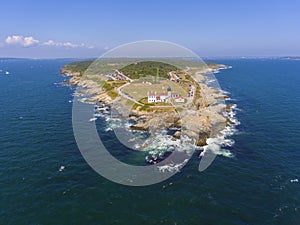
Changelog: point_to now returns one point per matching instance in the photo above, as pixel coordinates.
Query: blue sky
(88, 28)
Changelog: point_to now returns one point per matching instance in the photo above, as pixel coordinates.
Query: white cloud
(66, 44)
(50, 43)
(69, 44)
(20, 40)
(30, 41)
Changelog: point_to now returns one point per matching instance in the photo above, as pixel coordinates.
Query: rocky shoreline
(204, 120)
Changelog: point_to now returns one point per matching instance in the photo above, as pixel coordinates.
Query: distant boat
(7, 73)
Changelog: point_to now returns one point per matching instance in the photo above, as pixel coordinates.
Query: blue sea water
(257, 186)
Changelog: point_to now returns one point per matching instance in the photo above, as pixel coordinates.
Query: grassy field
(140, 90)
(148, 68)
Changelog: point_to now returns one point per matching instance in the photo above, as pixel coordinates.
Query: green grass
(148, 68)
(139, 90)
(78, 66)
(112, 94)
(107, 86)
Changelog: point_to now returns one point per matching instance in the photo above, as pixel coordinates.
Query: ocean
(45, 180)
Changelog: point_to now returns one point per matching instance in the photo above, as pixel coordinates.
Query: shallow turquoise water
(254, 187)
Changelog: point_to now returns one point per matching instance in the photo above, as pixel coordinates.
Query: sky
(211, 28)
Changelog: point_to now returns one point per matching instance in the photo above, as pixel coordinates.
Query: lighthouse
(169, 91)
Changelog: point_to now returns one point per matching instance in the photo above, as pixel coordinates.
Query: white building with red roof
(179, 99)
(164, 97)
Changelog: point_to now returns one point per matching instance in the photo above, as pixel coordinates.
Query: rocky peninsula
(200, 114)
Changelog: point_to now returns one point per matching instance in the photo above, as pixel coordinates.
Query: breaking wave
(219, 144)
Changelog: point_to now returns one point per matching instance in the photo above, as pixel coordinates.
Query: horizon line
(207, 57)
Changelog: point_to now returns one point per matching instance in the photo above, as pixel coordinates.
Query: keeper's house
(165, 97)
(153, 97)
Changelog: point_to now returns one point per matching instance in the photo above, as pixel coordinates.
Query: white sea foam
(83, 100)
(160, 145)
(113, 123)
(172, 167)
(210, 81)
(108, 129)
(218, 144)
(231, 115)
(92, 119)
(225, 92)
(161, 141)
(228, 131)
(215, 145)
(61, 168)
